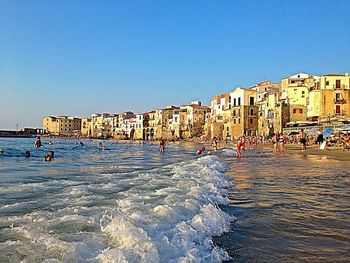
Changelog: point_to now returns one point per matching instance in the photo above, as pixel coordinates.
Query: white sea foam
(167, 214)
(177, 220)
(229, 152)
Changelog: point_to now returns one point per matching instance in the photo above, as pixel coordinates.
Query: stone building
(63, 125)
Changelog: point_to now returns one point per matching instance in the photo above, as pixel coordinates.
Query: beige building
(241, 117)
(215, 122)
(195, 119)
(101, 125)
(178, 126)
(121, 129)
(62, 125)
(268, 102)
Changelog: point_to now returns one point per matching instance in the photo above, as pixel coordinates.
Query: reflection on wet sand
(289, 209)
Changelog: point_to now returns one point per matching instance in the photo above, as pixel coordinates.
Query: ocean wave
(177, 219)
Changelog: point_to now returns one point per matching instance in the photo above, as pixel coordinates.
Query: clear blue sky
(80, 57)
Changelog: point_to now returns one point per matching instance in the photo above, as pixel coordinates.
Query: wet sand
(330, 153)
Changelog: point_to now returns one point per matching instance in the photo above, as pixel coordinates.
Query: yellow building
(295, 92)
(98, 126)
(152, 130)
(62, 125)
(314, 105)
(335, 96)
(51, 124)
(86, 127)
(295, 88)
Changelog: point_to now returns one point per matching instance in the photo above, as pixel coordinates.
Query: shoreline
(291, 149)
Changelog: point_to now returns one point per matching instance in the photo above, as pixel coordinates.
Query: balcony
(339, 101)
(340, 86)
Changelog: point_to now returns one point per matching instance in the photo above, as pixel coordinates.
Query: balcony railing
(335, 86)
(339, 101)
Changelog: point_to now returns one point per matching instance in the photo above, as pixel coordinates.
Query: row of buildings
(171, 122)
(262, 109)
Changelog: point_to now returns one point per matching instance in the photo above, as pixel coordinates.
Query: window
(239, 120)
(239, 101)
(234, 112)
(337, 109)
(294, 110)
(234, 102)
(327, 83)
(337, 96)
(292, 81)
(337, 84)
(234, 121)
(251, 100)
(251, 111)
(300, 110)
(227, 129)
(251, 120)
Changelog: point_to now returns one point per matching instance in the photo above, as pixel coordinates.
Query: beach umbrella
(327, 132)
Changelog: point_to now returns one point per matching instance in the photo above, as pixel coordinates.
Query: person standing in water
(162, 145)
(238, 149)
(275, 141)
(37, 143)
(214, 144)
(303, 139)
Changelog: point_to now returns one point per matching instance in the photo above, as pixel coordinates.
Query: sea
(130, 203)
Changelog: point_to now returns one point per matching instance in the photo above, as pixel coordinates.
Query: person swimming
(200, 151)
(27, 154)
(100, 146)
(81, 144)
(49, 156)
